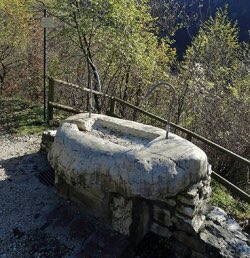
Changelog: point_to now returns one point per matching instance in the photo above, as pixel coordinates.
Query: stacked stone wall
(192, 226)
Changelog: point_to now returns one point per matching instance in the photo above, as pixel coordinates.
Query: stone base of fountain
(137, 181)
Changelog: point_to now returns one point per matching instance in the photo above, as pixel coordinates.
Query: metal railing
(172, 89)
(112, 112)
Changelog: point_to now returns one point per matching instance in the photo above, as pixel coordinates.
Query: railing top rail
(188, 132)
(195, 135)
(72, 85)
(233, 188)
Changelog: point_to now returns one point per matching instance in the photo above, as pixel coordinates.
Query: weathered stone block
(190, 241)
(169, 201)
(189, 201)
(121, 214)
(183, 225)
(223, 235)
(160, 230)
(186, 210)
(47, 140)
(192, 193)
(206, 191)
(129, 173)
(162, 216)
(126, 157)
(190, 225)
(194, 188)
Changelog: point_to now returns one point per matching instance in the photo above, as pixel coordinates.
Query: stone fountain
(131, 176)
(115, 167)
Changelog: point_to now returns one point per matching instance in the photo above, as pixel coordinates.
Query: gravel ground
(23, 198)
(34, 220)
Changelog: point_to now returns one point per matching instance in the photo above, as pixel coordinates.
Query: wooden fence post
(112, 106)
(50, 99)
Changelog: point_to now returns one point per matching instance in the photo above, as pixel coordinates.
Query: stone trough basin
(137, 181)
(108, 164)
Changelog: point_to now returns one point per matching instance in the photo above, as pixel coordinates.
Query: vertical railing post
(50, 99)
(112, 106)
(44, 65)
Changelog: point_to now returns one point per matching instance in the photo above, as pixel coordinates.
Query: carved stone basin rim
(137, 161)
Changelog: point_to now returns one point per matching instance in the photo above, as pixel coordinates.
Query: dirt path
(34, 221)
(23, 198)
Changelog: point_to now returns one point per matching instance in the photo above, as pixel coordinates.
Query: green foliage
(21, 117)
(213, 93)
(217, 50)
(172, 15)
(14, 17)
(120, 39)
(14, 23)
(223, 198)
(211, 72)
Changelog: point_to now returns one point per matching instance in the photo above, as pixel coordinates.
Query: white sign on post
(47, 22)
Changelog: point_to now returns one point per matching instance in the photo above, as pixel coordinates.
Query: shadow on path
(35, 222)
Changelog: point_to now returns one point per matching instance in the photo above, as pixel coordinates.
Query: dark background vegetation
(238, 10)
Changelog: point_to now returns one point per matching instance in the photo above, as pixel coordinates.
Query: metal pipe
(44, 65)
(168, 86)
(97, 78)
(182, 129)
(90, 97)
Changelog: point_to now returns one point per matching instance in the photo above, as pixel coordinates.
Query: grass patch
(232, 205)
(21, 117)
